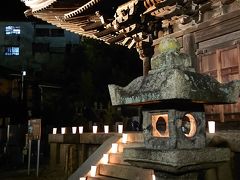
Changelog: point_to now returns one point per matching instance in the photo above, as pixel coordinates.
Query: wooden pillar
(63, 152)
(146, 65)
(71, 160)
(54, 154)
(82, 153)
(145, 51)
(219, 78)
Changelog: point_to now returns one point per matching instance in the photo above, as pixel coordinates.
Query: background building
(31, 45)
(39, 50)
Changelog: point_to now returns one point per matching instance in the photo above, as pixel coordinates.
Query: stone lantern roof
(173, 78)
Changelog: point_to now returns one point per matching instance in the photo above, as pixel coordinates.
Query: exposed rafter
(122, 22)
(81, 9)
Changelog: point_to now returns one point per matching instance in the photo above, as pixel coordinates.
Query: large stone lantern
(172, 96)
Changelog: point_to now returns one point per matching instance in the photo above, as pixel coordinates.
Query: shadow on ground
(56, 173)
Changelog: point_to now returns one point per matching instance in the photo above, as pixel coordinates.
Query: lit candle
(211, 126)
(74, 130)
(106, 128)
(120, 128)
(94, 129)
(54, 130)
(105, 159)
(124, 138)
(93, 171)
(153, 177)
(82, 178)
(80, 129)
(114, 148)
(63, 130)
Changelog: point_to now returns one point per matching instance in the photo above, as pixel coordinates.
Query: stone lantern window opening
(160, 125)
(189, 125)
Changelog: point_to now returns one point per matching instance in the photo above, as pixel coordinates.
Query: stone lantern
(174, 128)
(172, 96)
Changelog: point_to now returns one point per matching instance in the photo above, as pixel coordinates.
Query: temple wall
(214, 47)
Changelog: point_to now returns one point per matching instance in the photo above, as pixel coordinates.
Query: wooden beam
(217, 30)
(120, 37)
(105, 32)
(92, 26)
(160, 5)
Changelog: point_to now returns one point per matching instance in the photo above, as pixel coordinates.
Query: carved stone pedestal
(177, 164)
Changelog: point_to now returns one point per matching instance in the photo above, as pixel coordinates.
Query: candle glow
(211, 126)
(54, 130)
(94, 129)
(105, 159)
(120, 128)
(93, 171)
(63, 130)
(80, 129)
(74, 130)
(124, 138)
(153, 177)
(106, 128)
(114, 148)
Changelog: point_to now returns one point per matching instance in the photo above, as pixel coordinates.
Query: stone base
(177, 161)
(166, 176)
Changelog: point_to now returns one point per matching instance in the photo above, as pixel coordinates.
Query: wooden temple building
(207, 30)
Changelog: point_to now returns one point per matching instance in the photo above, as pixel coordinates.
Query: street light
(24, 73)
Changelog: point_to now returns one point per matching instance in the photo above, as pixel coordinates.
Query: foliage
(89, 68)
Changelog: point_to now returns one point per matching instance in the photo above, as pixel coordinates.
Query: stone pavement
(45, 173)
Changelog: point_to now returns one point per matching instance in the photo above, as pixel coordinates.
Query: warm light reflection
(160, 125)
(106, 128)
(120, 128)
(94, 129)
(80, 129)
(63, 130)
(211, 126)
(54, 130)
(124, 138)
(153, 177)
(114, 148)
(193, 125)
(93, 171)
(105, 159)
(74, 130)
(82, 178)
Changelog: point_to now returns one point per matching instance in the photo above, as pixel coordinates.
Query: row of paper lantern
(80, 129)
(211, 129)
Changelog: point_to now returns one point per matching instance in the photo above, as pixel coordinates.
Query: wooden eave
(87, 17)
(39, 5)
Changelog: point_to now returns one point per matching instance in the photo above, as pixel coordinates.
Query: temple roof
(121, 22)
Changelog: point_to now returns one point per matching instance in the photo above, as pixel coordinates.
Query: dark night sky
(12, 10)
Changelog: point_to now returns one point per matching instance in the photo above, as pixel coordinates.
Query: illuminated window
(12, 30)
(11, 51)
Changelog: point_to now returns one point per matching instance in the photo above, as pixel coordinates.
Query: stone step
(125, 172)
(98, 177)
(135, 137)
(117, 158)
(121, 146)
